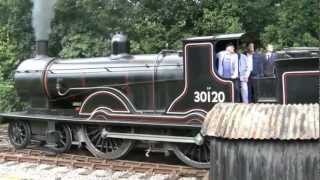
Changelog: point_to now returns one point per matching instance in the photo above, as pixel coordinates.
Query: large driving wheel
(19, 133)
(194, 155)
(102, 146)
(64, 140)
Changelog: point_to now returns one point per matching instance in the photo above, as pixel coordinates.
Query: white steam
(42, 14)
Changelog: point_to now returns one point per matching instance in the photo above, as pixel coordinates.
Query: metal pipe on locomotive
(160, 100)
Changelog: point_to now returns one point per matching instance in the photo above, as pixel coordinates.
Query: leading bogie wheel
(19, 133)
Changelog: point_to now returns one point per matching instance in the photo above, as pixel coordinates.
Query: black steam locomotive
(156, 101)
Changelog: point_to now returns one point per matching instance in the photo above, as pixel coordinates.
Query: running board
(198, 139)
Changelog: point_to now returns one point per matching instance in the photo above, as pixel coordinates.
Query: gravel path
(28, 171)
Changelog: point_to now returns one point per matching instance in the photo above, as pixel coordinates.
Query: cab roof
(217, 37)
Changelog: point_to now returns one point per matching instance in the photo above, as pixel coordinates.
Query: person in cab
(268, 64)
(228, 66)
(228, 62)
(255, 67)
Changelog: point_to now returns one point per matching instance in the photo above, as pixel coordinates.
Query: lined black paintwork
(161, 77)
(302, 88)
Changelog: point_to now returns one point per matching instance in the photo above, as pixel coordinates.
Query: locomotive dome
(120, 45)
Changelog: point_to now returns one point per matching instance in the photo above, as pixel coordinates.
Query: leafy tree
(8, 98)
(15, 34)
(15, 45)
(297, 24)
(219, 17)
(83, 45)
(83, 28)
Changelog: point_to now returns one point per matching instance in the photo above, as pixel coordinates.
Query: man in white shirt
(228, 62)
(245, 68)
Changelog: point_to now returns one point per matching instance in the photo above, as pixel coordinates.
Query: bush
(9, 100)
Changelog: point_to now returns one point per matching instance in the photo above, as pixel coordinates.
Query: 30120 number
(209, 96)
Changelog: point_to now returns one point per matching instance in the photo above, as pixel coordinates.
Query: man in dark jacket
(256, 60)
(268, 64)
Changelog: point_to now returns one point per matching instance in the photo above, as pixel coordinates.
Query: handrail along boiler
(157, 101)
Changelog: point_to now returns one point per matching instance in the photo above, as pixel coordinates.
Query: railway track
(91, 164)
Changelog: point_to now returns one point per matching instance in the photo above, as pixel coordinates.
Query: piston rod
(198, 139)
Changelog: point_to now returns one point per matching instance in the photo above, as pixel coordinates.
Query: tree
(15, 34)
(298, 24)
(15, 45)
(219, 17)
(83, 28)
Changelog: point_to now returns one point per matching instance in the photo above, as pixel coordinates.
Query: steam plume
(42, 14)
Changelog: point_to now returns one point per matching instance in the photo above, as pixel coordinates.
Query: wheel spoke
(62, 142)
(111, 144)
(107, 146)
(95, 137)
(18, 139)
(101, 144)
(113, 147)
(105, 142)
(187, 149)
(194, 148)
(93, 132)
(98, 142)
(116, 143)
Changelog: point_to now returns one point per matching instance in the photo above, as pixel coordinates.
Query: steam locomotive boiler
(109, 104)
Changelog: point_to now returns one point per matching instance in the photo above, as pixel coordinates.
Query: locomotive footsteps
(209, 96)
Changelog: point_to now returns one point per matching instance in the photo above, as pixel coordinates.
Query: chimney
(42, 15)
(42, 48)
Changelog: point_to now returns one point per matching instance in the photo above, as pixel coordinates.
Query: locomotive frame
(117, 124)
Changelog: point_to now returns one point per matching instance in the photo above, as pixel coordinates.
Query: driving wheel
(194, 155)
(64, 139)
(102, 146)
